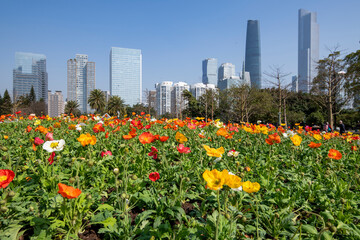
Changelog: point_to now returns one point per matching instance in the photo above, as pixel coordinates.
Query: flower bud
(91, 163)
(71, 180)
(116, 171)
(134, 177)
(11, 194)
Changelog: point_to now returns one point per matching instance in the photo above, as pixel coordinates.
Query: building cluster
(126, 73)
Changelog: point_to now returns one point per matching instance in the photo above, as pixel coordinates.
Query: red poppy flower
(334, 154)
(38, 141)
(354, 148)
(104, 154)
(154, 176)
(182, 149)
(98, 128)
(107, 135)
(153, 153)
(51, 158)
(6, 177)
(146, 137)
(142, 113)
(148, 126)
(18, 112)
(28, 128)
(68, 191)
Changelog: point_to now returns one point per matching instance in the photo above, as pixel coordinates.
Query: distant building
(294, 84)
(126, 74)
(178, 103)
(198, 89)
(308, 49)
(80, 81)
(30, 71)
(226, 70)
(253, 53)
(56, 103)
(209, 68)
(107, 95)
(227, 83)
(163, 97)
(151, 99)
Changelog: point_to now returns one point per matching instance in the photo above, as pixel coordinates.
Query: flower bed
(143, 178)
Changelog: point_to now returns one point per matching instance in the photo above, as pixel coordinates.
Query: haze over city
(174, 36)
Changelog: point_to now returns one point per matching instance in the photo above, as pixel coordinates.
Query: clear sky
(174, 36)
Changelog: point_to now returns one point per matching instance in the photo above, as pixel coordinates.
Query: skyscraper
(308, 49)
(253, 53)
(178, 102)
(209, 67)
(126, 74)
(163, 97)
(30, 71)
(80, 81)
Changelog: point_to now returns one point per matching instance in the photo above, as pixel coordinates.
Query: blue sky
(174, 36)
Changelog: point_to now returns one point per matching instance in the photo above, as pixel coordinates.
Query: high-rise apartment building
(80, 81)
(198, 89)
(30, 71)
(308, 49)
(178, 102)
(253, 53)
(126, 74)
(56, 105)
(209, 69)
(163, 97)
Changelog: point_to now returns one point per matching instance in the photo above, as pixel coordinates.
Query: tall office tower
(80, 81)
(178, 102)
(253, 53)
(56, 104)
(163, 97)
(226, 70)
(294, 84)
(30, 71)
(198, 89)
(209, 67)
(126, 74)
(308, 49)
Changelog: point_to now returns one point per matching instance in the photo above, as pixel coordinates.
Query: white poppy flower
(55, 145)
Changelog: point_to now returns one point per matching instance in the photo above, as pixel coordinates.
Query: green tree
(193, 109)
(97, 100)
(72, 108)
(116, 105)
(6, 105)
(32, 96)
(352, 64)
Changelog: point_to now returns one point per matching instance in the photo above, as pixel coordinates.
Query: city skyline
(170, 53)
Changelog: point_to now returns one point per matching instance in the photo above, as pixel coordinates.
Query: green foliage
(6, 104)
(97, 100)
(116, 106)
(71, 107)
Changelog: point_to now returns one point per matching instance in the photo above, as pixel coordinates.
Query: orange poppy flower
(127, 137)
(68, 191)
(314, 145)
(164, 138)
(87, 139)
(146, 137)
(334, 154)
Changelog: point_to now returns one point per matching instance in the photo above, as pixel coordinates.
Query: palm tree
(97, 100)
(115, 105)
(72, 107)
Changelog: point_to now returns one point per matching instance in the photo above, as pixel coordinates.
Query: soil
(89, 234)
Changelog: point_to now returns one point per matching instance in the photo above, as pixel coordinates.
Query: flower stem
(218, 220)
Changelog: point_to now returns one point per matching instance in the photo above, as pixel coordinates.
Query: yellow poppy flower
(317, 136)
(215, 179)
(212, 152)
(233, 181)
(180, 137)
(250, 187)
(296, 139)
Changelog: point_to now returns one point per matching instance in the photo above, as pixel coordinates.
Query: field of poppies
(143, 178)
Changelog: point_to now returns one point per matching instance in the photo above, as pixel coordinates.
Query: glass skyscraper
(30, 71)
(126, 74)
(308, 49)
(80, 81)
(253, 53)
(209, 67)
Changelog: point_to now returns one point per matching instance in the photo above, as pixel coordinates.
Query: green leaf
(10, 233)
(327, 215)
(109, 222)
(309, 229)
(105, 207)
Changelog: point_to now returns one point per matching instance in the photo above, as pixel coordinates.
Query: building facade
(178, 103)
(163, 97)
(308, 49)
(294, 84)
(80, 81)
(209, 69)
(56, 105)
(30, 71)
(198, 89)
(126, 74)
(253, 53)
(226, 70)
